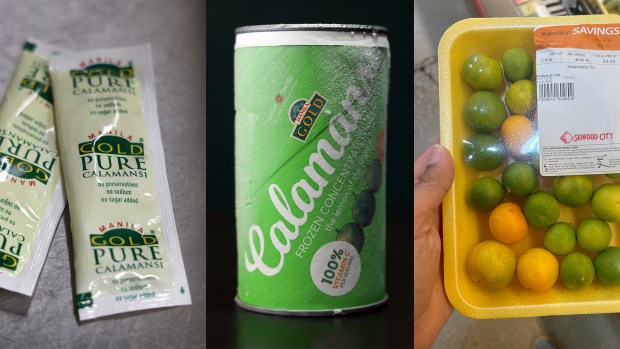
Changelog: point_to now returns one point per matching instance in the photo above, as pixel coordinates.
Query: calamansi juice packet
(126, 250)
(31, 191)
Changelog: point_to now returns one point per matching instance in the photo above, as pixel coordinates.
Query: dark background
(229, 326)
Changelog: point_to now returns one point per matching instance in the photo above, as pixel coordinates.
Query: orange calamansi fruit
(517, 132)
(537, 269)
(508, 224)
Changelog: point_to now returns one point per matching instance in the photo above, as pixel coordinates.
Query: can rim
(312, 313)
(359, 28)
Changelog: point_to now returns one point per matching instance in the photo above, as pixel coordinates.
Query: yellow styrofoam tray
(463, 226)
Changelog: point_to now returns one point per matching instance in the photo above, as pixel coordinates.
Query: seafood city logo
(567, 137)
(303, 114)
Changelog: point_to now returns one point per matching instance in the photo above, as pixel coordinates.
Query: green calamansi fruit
(607, 265)
(484, 152)
(593, 234)
(353, 234)
(363, 209)
(573, 191)
(519, 178)
(518, 64)
(577, 271)
(483, 72)
(486, 193)
(560, 238)
(605, 203)
(541, 209)
(485, 112)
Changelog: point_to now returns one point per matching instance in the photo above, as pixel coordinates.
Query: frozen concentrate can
(310, 129)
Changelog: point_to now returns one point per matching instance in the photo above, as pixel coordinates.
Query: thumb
(433, 176)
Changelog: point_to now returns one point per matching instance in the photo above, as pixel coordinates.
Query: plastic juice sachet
(31, 192)
(126, 250)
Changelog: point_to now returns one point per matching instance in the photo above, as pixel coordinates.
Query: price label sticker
(578, 99)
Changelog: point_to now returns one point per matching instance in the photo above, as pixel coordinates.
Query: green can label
(310, 198)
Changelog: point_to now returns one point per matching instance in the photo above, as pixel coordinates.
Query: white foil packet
(126, 250)
(31, 190)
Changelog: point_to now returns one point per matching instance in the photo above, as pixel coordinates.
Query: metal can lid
(311, 34)
(358, 28)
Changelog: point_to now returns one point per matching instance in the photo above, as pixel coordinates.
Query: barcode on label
(557, 89)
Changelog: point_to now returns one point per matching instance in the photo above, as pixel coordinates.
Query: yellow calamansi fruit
(491, 265)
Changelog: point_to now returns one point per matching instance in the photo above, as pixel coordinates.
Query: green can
(310, 126)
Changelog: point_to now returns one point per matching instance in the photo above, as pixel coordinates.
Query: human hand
(433, 176)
